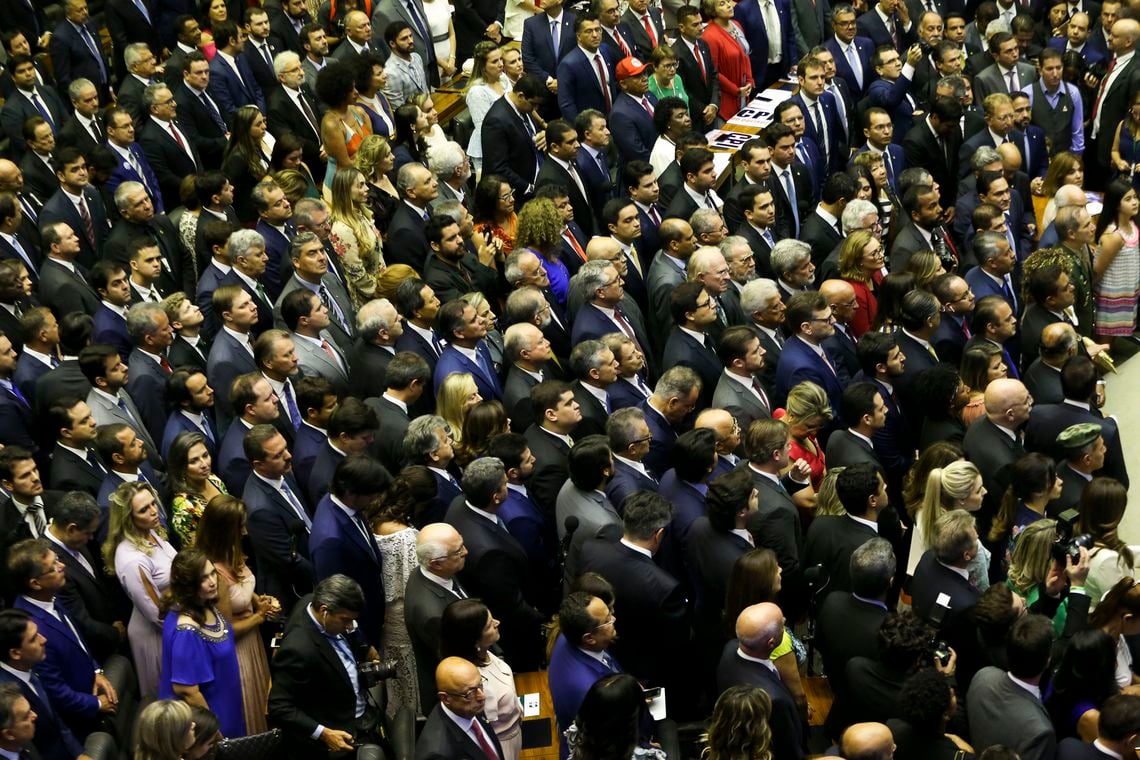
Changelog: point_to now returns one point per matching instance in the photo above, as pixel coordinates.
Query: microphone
(571, 525)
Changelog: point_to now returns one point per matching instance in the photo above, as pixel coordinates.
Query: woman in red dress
(861, 264)
(729, 49)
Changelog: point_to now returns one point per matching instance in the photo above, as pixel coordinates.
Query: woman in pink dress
(136, 550)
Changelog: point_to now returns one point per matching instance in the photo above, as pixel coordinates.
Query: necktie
(162, 362)
(821, 130)
(38, 519)
(1010, 363)
(96, 465)
(1007, 291)
(88, 224)
(635, 260)
(24, 256)
(966, 330)
(894, 30)
(646, 105)
(290, 497)
(603, 164)
(39, 104)
(654, 214)
(142, 9)
(555, 37)
(759, 391)
(602, 80)
(264, 48)
(790, 189)
(855, 64)
(215, 115)
(11, 388)
(484, 743)
(700, 62)
(1100, 96)
(333, 307)
(573, 242)
(177, 137)
(93, 126)
(842, 112)
(29, 208)
(1011, 78)
(291, 406)
(205, 428)
(649, 31)
(709, 202)
(262, 294)
(624, 326)
(87, 38)
(332, 354)
(308, 111)
(365, 531)
(772, 28)
(768, 238)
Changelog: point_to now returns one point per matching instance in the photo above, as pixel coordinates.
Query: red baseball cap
(630, 67)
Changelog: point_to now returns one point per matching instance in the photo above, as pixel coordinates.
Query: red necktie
(88, 224)
(649, 30)
(484, 742)
(1103, 86)
(165, 365)
(604, 82)
(700, 62)
(645, 103)
(328, 350)
(573, 241)
(177, 137)
(625, 52)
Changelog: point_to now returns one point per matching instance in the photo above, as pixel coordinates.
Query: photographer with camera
(1049, 569)
(319, 709)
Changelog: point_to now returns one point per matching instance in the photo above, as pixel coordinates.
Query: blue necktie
(287, 492)
(1010, 363)
(9, 386)
(215, 115)
(142, 9)
(790, 187)
(39, 104)
(291, 405)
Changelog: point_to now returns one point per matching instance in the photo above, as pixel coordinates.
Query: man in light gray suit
(591, 466)
(307, 320)
(1007, 60)
(311, 271)
(1005, 707)
(811, 23)
(739, 389)
(104, 369)
(412, 13)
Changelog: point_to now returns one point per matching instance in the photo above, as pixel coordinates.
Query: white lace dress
(398, 551)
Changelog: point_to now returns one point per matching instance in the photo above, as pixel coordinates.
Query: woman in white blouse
(488, 84)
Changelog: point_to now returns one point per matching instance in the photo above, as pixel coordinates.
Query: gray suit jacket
(742, 403)
(908, 242)
(989, 80)
(106, 413)
(314, 361)
(1001, 712)
(663, 276)
(844, 450)
(339, 295)
(597, 518)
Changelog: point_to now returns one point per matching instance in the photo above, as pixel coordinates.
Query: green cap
(1076, 437)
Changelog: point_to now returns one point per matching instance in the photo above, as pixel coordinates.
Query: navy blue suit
(688, 504)
(578, 86)
(1091, 52)
(598, 184)
(320, 476)
(872, 27)
(28, 370)
(632, 127)
(53, 740)
(836, 151)
(277, 246)
(16, 421)
(233, 468)
(538, 53)
(591, 324)
(453, 361)
(650, 241)
(280, 540)
(338, 545)
(59, 208)
(572, 672)
(625, 481)
(264, 308)
(227, 360)
(67, 671)
(177, 424)
(750, 16)
(124, 172)
(895, 98)
(865, 48)
(983, 285)
(231, 93)
(72, 57)
(526, 522)
(659, 458)
(1033, 140)
(798, 363)
(306, 445)
(209, 280)
(445, 492)
(110, 328)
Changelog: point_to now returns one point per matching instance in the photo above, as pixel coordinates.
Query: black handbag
(266, 746)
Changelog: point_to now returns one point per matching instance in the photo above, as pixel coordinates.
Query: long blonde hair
(805, 401)
(121, 524)
(356, 216)
(944, 486)
(1032, 555)
(162, 730)
(367, 157)
(738, 728)
(451, 403)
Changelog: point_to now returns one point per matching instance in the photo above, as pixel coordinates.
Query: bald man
(868, 740)
(1059, 342)
(840, 347)
(1112, 101)
(728, 439)
(431, 587)
(528, 352)
(456, 728)
(1012, 165)
(709, 267)
(994, 442)
(746, 661)
(667, 271)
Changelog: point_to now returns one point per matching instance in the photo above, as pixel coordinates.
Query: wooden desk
(529, 683)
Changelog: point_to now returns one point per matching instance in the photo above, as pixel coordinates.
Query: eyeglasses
(452, 554)
(829, 318)
(609, 621)
(636, 441)
(468, 695)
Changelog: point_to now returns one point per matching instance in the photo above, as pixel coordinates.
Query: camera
(940, 652)
(1066, 544)
(373, 671)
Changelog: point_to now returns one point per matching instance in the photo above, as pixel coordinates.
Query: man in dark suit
(556, 414)
(629, 437)
(888, 23)
(802, 358)
(279, 521)
(261, 49)
(405, 378)
(594, 368)
(142, 66)
(132, 166)
(821, 115)
(790, 180)
(63, 283)
(27, 100)
(189, 393)
(655, 619)
(93, 229)
(67, 379)
(249, 262)
(85, 130)
(292, 107)
(418, 187)
(594, 157)
(822, 229)
(933, 143)
(38, 162)
(337, 543)
(560, 169)
(755, 23)
(228, 356)
(746, 661)
(941, 572)
(317, 690)
(169, 149)
(509, 149)
(23, 513)
(693, 311)
(497, 569)
(994, 442)
(579, 86)
(432, 586)
(76, 52)
(852, 53)
(187, 35)
(129, 23)
(646, 26)
(547, 38)
(457, 717)
(892, 90)
(696, 67)
(831, 541)
(464, 329)
(631, 116)
(288, 25)
(1059, 343)
(232, 83)
(1052, 294)
(199, 115)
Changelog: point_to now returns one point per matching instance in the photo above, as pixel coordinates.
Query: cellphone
(651, 693)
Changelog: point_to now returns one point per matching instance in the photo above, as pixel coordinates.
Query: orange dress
(352, 139)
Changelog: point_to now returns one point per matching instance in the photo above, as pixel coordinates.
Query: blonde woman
(958, 485)
(738, 728)
(354, 237)
(457, 394)
(488, 83)
(391, 278)
(137, 552)
(433, 135)
(828, 504)
(926, 266)
(375, 160)
(806, 412)
(165, 730)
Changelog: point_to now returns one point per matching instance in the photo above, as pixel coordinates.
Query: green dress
(676, 91)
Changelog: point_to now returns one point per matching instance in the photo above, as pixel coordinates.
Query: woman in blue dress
(199, 661)
(1126, 145)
